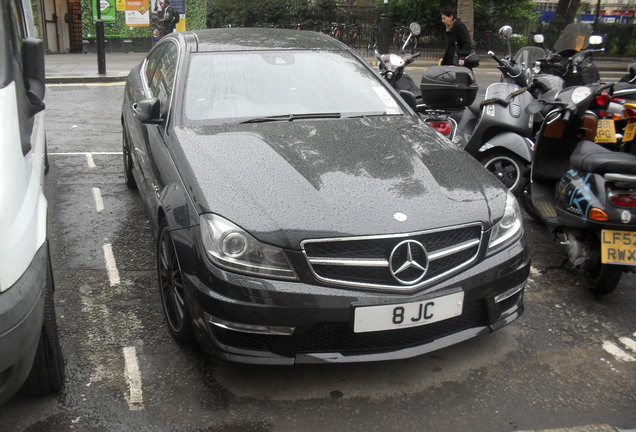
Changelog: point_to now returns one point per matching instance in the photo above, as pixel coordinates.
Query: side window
(163, 77)
(151, 64)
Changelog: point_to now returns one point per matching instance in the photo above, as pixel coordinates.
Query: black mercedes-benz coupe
(304, 213)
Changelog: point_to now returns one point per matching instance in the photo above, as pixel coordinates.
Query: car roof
(250, 39)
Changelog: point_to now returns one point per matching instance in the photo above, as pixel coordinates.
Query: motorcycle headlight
(508, 229)
(232, 248)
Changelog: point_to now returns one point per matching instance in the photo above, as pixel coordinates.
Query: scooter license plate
(605, 131)
(630, 132)
(618, 247)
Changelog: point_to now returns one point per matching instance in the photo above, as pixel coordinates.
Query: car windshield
(280, 86)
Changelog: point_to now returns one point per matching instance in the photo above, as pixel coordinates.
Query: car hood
(288, 181)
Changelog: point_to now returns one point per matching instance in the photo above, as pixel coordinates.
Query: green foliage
(490, 15)
(426, 13)
(618, 39)
(279, 13)
(196, 14)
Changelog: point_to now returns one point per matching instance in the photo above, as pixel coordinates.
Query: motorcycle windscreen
(527, 55)
(575, 36)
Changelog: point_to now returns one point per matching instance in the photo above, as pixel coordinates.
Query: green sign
(107, 8)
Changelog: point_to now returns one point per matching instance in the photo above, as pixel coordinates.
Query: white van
(30, 354)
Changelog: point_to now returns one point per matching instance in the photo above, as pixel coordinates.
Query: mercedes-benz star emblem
(408, 262)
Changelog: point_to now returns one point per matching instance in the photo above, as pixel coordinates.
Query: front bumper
(250, 320)
(21, 316)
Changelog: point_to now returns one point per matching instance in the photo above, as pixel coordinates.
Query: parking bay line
(111, 265)
(99, 202)
(133, 378)
(617, 352)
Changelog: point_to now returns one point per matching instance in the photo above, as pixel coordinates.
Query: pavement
(70, 68)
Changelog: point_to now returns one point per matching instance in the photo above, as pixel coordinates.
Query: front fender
(177, 208)
(510, 141)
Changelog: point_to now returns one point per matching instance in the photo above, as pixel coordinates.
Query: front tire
(47, 373)
(172, 288)
(508, 168)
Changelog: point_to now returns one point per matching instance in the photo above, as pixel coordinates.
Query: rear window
(237, 86)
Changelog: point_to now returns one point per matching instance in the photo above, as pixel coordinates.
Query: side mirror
(33, 73)
(415, 29)
(148, 111)
(538, 39)
(409, 99)
(596, 40)
(505, 32)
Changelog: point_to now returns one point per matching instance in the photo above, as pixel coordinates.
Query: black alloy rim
(171, 284)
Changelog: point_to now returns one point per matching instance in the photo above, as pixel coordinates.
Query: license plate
(618, 247)
(605, 131)
(630, 131)
(396, 316)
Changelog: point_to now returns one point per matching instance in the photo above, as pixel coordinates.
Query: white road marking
(629, 343)
(83, 153)
(617, 352)
(90, 161)
(133, 377)
(111, 266)
(99, 203)
(110, 84)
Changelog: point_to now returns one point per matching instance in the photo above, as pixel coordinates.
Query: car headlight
(508, 229)
(232, 248)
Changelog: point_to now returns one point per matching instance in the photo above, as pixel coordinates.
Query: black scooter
(571, 60)
(584, 193)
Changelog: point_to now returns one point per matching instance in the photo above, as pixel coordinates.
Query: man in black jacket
(458, 42)
(169, 18)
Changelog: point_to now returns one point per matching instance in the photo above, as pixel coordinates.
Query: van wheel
(172, 288)
(508, 168)
(128, 162)
(47, 372)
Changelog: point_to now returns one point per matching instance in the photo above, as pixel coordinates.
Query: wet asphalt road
(549, 369)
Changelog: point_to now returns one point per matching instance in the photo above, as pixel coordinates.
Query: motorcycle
(571, 59)
(584, 193)
(494, 130)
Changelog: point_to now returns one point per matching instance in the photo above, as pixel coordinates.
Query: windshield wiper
(292, 117)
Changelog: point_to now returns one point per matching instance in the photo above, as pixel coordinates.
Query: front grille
(364, 262)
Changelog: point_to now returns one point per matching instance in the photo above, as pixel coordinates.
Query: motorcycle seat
(591, 157)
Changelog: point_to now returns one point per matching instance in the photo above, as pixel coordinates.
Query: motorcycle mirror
(415, 29)
(596, 40)
(505, 32)
(538, 39)
(396, 61)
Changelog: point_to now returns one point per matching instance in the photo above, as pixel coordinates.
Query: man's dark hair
(448, 11)
(166, 2)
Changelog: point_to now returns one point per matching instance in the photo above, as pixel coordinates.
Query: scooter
(571, 60)
(584, 193)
